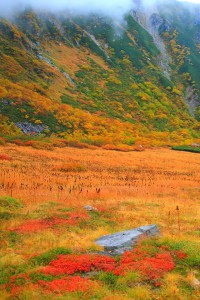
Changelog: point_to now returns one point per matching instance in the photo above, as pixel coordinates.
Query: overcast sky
(115, 8)
(193, 1)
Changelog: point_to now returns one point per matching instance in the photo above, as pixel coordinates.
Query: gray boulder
(90, 208)
(120, 242)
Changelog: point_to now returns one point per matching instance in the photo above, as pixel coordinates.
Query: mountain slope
(99, 81)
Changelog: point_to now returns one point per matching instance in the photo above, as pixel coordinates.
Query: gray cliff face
(151, 21)
(192, 100)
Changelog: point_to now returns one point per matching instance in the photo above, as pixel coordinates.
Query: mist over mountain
(119, 72)
(116, 8)
(112, 8)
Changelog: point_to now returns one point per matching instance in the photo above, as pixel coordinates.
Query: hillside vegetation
(97, 81)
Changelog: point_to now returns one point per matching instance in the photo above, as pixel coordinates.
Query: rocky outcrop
(29, 128)
(192, 100)
(69, 78)
(103, 49)
(120, 242)
(154, 24)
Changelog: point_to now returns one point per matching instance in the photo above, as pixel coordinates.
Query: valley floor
(42, 199)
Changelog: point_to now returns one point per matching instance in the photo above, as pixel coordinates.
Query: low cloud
(115, 8)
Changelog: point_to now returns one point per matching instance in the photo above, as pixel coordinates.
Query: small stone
(196, 145)
(196, 284)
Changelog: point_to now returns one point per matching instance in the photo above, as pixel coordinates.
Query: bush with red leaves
(18, 143)
(180, 254)
(151, 267)
(69, 284)
(71, 264)
(5, 157)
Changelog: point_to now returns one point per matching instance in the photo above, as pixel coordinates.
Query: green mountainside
(100, 81)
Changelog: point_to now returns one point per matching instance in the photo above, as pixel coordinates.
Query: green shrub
(13, 237)
(5, 215)
(45, 258)
(129, 280)
(187, 148)
(109, 279)
(35, 277)
(10, 203)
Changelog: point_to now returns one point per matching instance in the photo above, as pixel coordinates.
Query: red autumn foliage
(29, 143)
(15, 290)
(180, 254)
(18, 278)
(148, 263)
(16, 282)
(71, 264)
(37, 225)
(75, 218)
(151, 267)
(69, 284)
(102, 209)
(18, 143)
(5, 157)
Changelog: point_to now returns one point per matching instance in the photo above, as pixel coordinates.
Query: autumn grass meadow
(48, 248)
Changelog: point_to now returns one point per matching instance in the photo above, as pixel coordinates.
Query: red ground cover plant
(152, 267)
(71, 264)
(152, 263)
(38, 225)
(75, 218)
(16, 282)
(180, 254)
(5, 157)
(69, 284)
(15, 290)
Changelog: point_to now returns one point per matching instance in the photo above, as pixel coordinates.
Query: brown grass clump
(123, 148)
(71, 167)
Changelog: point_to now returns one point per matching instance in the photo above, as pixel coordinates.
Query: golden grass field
(155, 186)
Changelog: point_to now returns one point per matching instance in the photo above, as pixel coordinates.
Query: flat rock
(120, 242)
